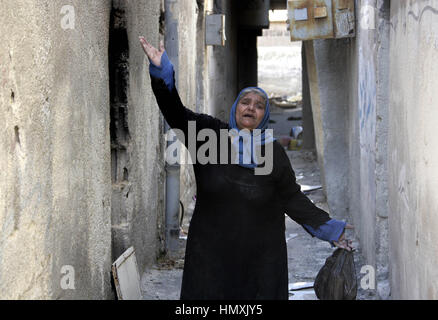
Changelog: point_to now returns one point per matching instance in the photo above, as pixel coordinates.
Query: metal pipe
(172, 171)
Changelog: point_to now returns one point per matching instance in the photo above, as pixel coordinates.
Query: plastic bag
(337, 278)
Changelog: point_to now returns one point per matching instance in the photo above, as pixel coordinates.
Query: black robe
(236, 247)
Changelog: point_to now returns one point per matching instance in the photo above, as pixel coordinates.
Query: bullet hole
(12, 96)
(125, 174)
(17, 135)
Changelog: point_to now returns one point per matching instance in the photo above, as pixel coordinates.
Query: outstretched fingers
(153, 53)
(147, 47)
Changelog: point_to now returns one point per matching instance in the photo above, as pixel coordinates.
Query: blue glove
(329, 231)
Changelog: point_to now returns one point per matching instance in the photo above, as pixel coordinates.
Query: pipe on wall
(172, 170)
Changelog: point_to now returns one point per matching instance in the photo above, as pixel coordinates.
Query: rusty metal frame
(324, 19)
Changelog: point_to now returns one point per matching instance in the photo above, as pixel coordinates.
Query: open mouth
(248, 116)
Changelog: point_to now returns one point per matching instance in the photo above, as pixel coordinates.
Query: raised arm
(163, 85)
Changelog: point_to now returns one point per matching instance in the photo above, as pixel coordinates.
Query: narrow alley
(93, 208)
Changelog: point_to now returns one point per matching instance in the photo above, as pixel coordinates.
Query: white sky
(277, 15)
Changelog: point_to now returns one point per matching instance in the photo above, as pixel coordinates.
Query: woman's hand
(153, 53)
(342, 242)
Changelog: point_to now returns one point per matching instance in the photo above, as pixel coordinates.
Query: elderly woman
(236, 246)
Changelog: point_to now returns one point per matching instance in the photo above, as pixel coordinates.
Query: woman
(236, 246)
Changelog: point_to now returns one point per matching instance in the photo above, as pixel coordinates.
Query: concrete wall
(193, 82)
(222, 63)
(349, 93)
(82, 182)
(412, 149)
(363, 139)
(207, 75)
(329, 99)
(367, 123)
(381, 172)
(55, 189)
(187, 82)
(138, 197)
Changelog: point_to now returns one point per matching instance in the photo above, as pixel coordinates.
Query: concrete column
(325, 68)
(382, 120)
(308, 126)
(138, 166)
(55, 181)
(413, 149)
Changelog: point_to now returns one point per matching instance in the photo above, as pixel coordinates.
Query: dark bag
(337, 278)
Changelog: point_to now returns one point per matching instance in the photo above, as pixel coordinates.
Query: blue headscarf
(257, 139)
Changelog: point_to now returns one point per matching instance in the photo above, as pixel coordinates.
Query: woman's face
(250, 111)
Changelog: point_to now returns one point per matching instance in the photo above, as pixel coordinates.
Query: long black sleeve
(295, 203)
(176, 114)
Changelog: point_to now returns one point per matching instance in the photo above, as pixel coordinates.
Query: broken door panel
(126, 276)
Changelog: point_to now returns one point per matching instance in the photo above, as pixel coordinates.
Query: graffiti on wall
(367, 99)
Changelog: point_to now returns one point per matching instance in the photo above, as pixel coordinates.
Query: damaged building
(83, 143)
